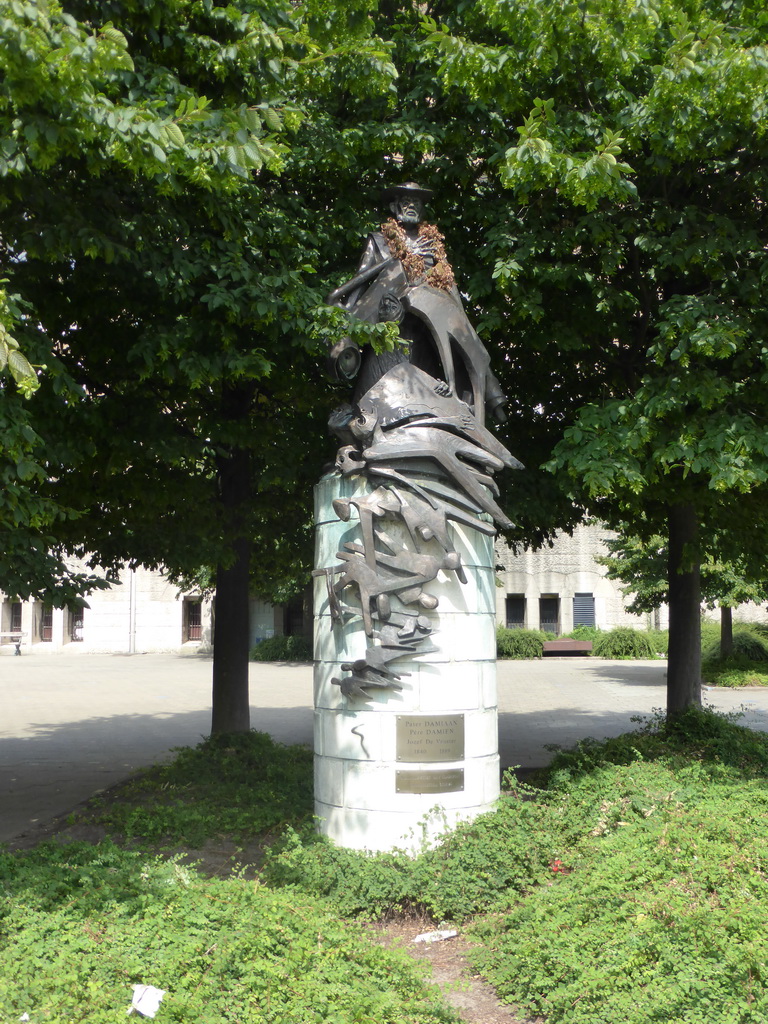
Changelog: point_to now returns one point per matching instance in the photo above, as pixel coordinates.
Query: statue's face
(390, 308)
(408, 209)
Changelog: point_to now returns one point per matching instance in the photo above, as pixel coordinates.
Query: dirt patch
(475, 1000)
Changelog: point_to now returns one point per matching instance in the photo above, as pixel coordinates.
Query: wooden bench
(567, 646)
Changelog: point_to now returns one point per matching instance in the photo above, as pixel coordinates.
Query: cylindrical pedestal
(396, 771)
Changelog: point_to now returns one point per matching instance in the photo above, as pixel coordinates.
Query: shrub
(659, 640)
(748, 644)
(585, 633)
(624, 642)
(283, 648)
(519, 643)
(710, 633)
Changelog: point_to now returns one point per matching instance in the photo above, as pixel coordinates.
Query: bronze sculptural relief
(415, 429)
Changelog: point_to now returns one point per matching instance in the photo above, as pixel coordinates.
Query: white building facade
(142, 613)
(558, 588)
(554, 589)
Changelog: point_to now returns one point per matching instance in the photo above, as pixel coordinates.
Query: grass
(630, 887)
(240, 786)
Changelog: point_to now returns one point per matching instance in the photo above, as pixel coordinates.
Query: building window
(293, 617)
(515, 611)
(583, 610)
(549, 613)
(76, 616)
(193, 620)
(46, 624)
(16, 616)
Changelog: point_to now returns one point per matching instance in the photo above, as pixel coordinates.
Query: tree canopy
(183, 181)
(634, 264)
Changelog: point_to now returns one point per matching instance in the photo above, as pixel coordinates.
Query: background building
(141, 613)
(553, 589)
(563, 586)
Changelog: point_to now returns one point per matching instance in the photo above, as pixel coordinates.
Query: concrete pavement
(74, 724)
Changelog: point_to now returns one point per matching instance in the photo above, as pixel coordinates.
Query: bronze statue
(404, 275)
(416, 429)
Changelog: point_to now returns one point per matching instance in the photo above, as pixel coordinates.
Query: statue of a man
(404, 275)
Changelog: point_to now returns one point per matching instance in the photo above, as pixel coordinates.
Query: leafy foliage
(282, 648)
(642, 566)
(645, 850)
(624, 642)
(80, 925)
(519, 643)
(659, 640)
(631, 258)
(734, 672)
(654, 911)
(747, 644)
(243, 785)
(590, 633)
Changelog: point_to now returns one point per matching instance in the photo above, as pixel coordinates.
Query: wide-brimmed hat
(410, 188)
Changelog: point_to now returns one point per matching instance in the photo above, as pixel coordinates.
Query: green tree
(642, 567)
(633, 260)
(163, 254)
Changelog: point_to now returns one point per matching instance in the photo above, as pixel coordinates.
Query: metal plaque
(440, 780)
(430, 738)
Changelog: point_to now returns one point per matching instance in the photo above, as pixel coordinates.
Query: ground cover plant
(240, 785)
(627, 886)
(746, 666)
(81, 924)
(657, 911)
(631, 889)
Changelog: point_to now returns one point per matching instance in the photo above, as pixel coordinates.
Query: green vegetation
(241, 785)
(591, 633)
(624, 642)
(81, 925)
(519, 643)
(630, 888)
(746, 666)
(655, 907)
(282, 648)
(748, 643)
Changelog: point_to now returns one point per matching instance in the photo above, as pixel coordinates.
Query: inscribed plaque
(430, 737)
(442, 780)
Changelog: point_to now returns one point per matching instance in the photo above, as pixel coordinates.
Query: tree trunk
(684, 662)
(726, 631)
(230, 698)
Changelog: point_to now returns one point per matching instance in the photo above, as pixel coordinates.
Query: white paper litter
(25, 1016)
(438, 936)
(146, 1000)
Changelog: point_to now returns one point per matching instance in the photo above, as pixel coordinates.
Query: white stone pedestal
(371, 792)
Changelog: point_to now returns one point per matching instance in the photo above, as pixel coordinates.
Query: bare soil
(474, 999)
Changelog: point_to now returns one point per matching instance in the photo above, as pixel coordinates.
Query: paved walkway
(73, 724)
